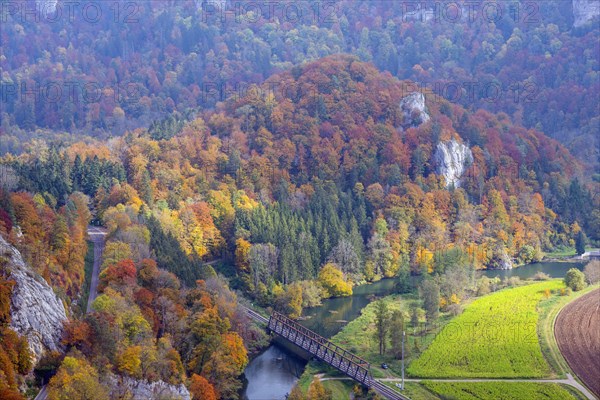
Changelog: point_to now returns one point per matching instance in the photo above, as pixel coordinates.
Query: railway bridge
(324, 350)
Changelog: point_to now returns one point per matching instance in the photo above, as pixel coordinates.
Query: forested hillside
(139, 61)
(333, 169)
(275, 161)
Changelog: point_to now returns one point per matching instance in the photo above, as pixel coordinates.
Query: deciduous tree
(431, 299)
(333, 282)
(201, 389)
(76, 379)
(382, 324)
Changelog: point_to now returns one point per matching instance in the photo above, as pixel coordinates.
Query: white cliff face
(452, 159)
(36, 311)
(505, 261)
(47, 8)
(414, 109)
(123, 387)
(584, 11)
(501, 260)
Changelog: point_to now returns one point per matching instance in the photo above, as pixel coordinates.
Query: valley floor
(543, 373)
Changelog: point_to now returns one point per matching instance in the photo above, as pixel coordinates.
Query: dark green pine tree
(146, 191)
(91, 177)
(580, 242)
(77, 174)
(170, 256)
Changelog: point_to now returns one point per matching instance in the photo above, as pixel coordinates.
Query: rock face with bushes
(126, 387)
(36, 311)
(414, 109)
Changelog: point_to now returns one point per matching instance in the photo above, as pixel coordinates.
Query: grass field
(561, 252)
(565, 252)
(359, 336)
(501, 328)
(500, 390)
(339, 389)
(495, 337)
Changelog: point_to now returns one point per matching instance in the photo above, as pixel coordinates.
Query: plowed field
(577, 331)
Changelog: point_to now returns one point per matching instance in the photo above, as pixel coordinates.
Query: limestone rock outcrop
(47, 8)
(585, 11)
(452, 159)
(414, 110)
(126, 387)
(36, 311)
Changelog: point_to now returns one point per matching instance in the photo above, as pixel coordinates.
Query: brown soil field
(577, 332)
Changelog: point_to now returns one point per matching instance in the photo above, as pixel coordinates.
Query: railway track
(386, 391)
(255, 316)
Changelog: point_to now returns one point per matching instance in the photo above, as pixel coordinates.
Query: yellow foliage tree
(317, 391)
(424, 259)
(242, 251)
(333, 282)
(114, 252)
(76, 379)
(129, 361)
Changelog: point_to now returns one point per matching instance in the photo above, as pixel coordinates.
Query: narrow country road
(96, 236)
(43, 394)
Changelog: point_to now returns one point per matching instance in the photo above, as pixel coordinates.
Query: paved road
(97, 236)
(43, 394)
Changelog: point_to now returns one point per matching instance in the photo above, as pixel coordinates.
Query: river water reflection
(273, 373)
(554, 269)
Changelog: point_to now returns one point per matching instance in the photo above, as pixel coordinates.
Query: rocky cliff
(414, 110)
(452, 159)
(36, 311)
(129, 388)
(47, 8)
(585, 11)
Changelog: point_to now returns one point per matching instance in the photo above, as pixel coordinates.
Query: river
(273, 373)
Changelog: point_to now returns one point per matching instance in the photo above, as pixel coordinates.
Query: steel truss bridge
(324, 350)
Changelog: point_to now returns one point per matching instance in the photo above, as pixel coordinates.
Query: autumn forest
(341, 162)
